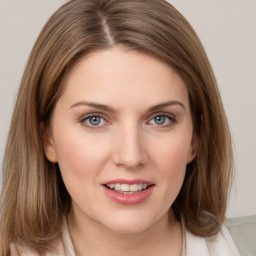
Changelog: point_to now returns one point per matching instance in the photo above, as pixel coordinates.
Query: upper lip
(129, 181)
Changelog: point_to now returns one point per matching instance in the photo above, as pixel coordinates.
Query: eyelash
(92, 127)
(171, 118)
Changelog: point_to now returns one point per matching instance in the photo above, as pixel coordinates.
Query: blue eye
(161, 120)
(94, 120)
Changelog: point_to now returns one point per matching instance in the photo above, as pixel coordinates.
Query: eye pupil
(160, 120)
(94, 120)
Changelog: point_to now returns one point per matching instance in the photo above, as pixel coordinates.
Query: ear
(48, 144)
(194, 147)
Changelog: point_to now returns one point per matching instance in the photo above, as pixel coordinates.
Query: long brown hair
(34, 197)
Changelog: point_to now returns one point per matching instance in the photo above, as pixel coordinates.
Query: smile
(128, 192)
(127, 188)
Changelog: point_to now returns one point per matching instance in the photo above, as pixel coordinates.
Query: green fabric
(243, 232)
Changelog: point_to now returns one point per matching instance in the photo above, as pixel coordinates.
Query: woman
(119, 143)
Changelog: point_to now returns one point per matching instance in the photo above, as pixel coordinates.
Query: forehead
(119, 75)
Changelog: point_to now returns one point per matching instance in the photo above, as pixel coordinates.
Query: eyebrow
(166, 104)
(93, 105)
(110, 109)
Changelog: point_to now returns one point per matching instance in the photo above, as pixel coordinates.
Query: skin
(127, 143)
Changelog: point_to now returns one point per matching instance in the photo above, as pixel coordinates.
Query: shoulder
(220, 244)
(62, 247)
(19, 249)
(243, 232)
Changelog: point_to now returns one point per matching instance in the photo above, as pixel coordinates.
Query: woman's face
(122, 135)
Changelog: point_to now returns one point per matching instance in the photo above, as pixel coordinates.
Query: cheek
(79, 154)
(172, 152)
(81, 160)
(169, 158)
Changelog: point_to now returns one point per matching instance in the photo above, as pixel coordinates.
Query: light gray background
(227, 29)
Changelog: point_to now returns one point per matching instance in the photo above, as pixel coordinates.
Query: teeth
(127, 187)
(117, 186)
(140, 186)
(134, 187)
(111, 186)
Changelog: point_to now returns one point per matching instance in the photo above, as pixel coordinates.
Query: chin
(129, 224)
(128, 228)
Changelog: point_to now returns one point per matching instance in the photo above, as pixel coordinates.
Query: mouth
(128, 192)
(124, 188)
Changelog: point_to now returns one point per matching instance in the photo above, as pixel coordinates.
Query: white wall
(228, 32)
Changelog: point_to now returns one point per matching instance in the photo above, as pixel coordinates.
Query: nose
(129, 147)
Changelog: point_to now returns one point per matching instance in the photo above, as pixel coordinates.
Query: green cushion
(243, 231)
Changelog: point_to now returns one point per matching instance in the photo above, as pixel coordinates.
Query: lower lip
(128, 199)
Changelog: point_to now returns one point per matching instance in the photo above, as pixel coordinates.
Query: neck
(90, 238)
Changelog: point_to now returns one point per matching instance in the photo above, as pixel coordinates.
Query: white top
(219, 245)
